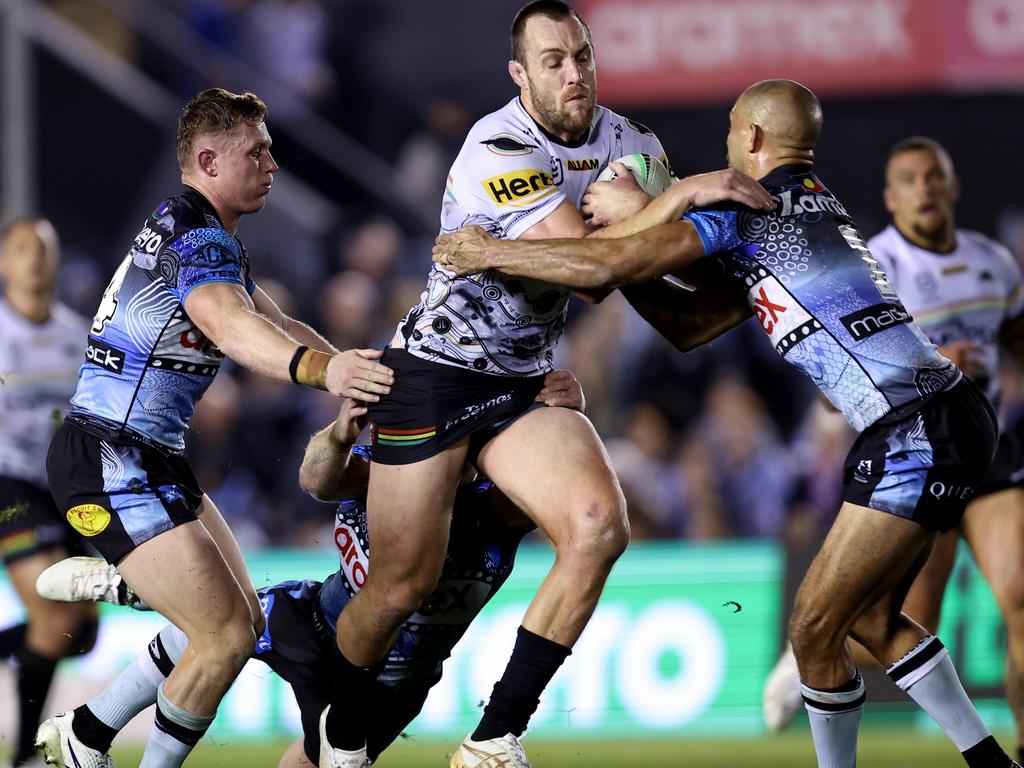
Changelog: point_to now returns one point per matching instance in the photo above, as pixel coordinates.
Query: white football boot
(781, 699)
(59, 746)
(331, 757)
(86, 580)
(503, 752)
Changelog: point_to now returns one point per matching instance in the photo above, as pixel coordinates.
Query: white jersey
(38, 372)
(964, 295)
(510, 175)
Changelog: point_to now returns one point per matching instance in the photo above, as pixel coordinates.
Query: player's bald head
(787, 112)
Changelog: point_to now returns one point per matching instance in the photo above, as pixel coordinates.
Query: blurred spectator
(348, 306)
(286, 40)
(374, 249)
(423, 161)
(750, 466)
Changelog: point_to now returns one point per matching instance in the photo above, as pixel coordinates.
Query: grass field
(879, 748)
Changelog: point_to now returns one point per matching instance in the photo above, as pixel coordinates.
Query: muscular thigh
(549, 461)
(924, 600)
(865, 555)
(219, 531)
(182, 574)
(408, 513)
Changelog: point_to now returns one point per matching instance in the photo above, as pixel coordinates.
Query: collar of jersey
(200, 199)
(908, 241)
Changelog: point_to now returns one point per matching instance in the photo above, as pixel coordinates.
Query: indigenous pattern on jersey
(964, 295)
(481, 552)
(147, 364)
(508, 177)
(823, 300)
(38, 370)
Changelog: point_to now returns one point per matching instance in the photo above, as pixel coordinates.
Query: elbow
(601, 278)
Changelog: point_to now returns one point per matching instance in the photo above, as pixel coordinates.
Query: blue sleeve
(362, 449)
(208, 255)
(716, 228)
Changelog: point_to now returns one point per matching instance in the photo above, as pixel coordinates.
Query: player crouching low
(298, 642)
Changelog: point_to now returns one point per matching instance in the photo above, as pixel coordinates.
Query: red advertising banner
(675, 51)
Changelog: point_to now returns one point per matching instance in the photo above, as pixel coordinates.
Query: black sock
(1020, 754)
(986, 754)
(35, 673)
(92, 731)
(515, 697)
(11, 640)
(347, 725)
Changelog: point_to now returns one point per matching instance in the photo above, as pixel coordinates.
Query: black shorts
(118, 496)
(1007, 470)
(433, 406)
(31, 522)
(925, 466)
(301, 650)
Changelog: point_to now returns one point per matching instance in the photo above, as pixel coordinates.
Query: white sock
(175, 732)
(928, 677)
(136, 687)
(835, 721)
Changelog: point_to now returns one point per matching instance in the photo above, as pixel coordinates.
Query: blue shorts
(301, 650)
(116, 495)
(927, 465)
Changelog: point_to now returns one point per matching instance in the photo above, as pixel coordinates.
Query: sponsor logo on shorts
(865, 323)
(477, 409)
(517, 187)
(590, 164)
(403, 438)
(951, 491)
(863, 471)
(89, 519)
(104, 355)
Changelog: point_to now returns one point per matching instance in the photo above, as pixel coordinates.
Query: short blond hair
(215, 110)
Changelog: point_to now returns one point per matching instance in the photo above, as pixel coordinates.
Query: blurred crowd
(726, 441)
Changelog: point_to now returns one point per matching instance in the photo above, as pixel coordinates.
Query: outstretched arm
(586, 264)
(226, 315)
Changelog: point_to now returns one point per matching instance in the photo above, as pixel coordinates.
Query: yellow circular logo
(89, 519)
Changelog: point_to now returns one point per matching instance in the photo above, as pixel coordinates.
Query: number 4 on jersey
(108, 304)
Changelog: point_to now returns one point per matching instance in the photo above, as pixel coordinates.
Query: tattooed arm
(329, 471)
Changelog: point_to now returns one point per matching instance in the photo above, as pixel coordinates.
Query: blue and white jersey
(509, 176)
(481, 552)
(146, 363)
(823, 300)
(967, 294)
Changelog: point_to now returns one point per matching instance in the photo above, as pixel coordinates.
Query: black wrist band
(293, 366)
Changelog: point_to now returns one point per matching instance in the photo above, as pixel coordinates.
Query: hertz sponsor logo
(512, 188)
(866, 322)
(590, 164)
(89, 519)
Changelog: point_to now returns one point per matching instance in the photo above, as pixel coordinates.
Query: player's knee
(599, 533)
(811, 629)
(229, 647)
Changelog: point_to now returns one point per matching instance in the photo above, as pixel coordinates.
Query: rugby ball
(650, 173)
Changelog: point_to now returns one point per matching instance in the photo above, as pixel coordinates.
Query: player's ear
(755, 138)
(207, 161)
(517, 73)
